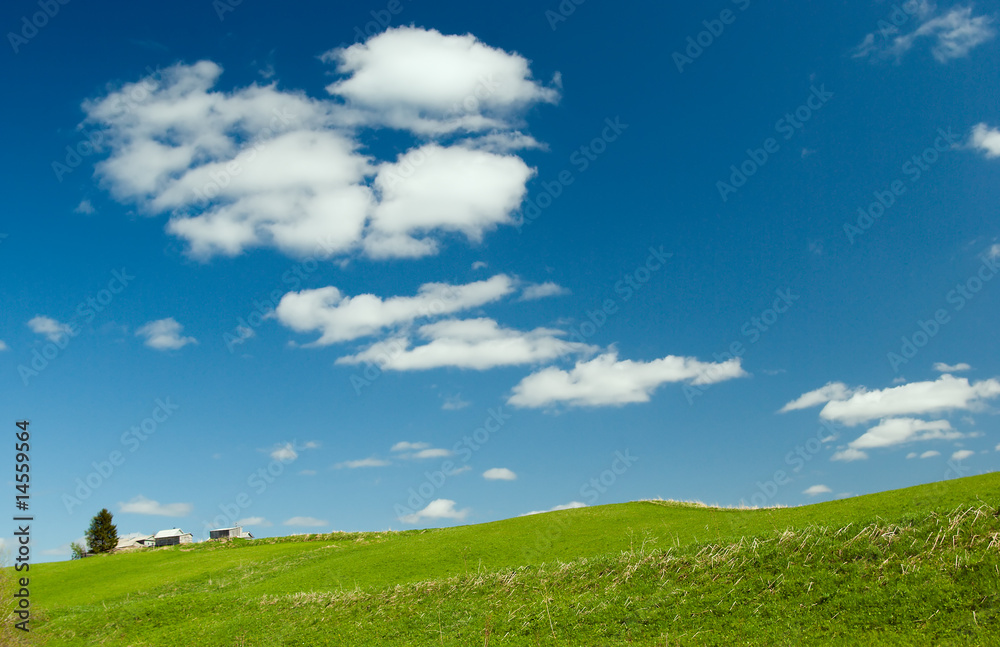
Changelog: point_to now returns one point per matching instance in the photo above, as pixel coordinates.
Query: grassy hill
(914, 566)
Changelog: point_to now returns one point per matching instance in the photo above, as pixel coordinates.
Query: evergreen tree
(102, 536)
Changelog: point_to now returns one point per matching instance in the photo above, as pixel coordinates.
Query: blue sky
(409, 265)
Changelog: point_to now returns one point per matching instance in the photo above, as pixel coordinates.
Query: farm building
(229, 533)
(172, 537)
(129, 542)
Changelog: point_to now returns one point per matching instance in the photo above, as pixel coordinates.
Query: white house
(172, 537)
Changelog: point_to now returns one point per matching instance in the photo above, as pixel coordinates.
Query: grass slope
(913, 566)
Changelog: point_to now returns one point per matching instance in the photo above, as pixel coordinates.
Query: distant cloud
(962, 454)
(3, 346)
(454, 403)
(479, 265)
(307, 472)
(896, 431)
(566, 506)
(254, 521)
(930, 454)
(499, 474)
(848, 455)
(822, 395)
(85, 207)
(285, 453)
(164, 334)
(311, 522)
(815, 490)
(542, 290)
(404, 446)
(436, 509)
(53, 330)
(986, 139)
(941, 367)
(142, 505)
(432, 453)
(364, 462)
(608, 381)
(952, 35)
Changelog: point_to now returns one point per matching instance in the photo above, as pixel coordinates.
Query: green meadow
(917, 566)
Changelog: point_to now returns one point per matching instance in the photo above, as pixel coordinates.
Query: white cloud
(822, 395)
(605, 380)
(896, 431)
(430, 83)
(911, 455)
(259, 166)
(431, 453)
(941, 367)
(364, 462)
(499, 474)
(142, 505)
(479, 265)
(3, 346)
(848, 455)
(404, 446)
(285, 453)
(254, 521)
(85, 207)
(542, 290)
(305, 521)
(953, 35)
(436, 509)
(477, 344)
(985, 139)
(814, 490)
(164, 334)
(343, 318)
(930, 454)
(565, 506)
(962, 454)
(915, 398)
(53, 330)
(454, 403)
(66, 549)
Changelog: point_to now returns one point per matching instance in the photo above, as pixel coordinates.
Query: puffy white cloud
(285, 453)
(364, 462)
(499, 474)
(822, 395)
(259, 166)
(436, 509)
(164, 334)
(142, 505)
(606, 380)
(542, 290)
(429, 83)
(915, 398)
(254, 521)
(953, 35)
(814, 490)
(53, 330)
(565, 506)
(404, 446)
(311, 522)
(477, 344)
(962, 454)
(986, 139)
(849, 454)
(342, 318)
(930, 454)
(896, 431)
(941, 367)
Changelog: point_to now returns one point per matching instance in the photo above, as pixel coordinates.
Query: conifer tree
(102, 536)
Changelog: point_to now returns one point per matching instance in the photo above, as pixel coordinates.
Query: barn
(172, 537)
(236, 532)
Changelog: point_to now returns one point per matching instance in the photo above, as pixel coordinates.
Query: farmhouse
(130, 542)
(172, 537)
(229, 533)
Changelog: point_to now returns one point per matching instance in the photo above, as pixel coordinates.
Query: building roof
(132, 540)
(230, 528)
(172, 532)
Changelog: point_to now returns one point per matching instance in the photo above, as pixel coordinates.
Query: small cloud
(254, 521)
(542, 290)
(986, 139)
(142, 505)
(997, 448)
(164, 334)
(436, 509)
(930, 454)
(848, 455)
(3, 346)
(284, 453)
(312, 444)
(85, 207)
(565, 506)
(454, 403)
(941, 367)
(499, 474)
(311, 522)
(403, 446)
(432, 453)
(307, 472)
(53, 330)
(962, 454)
(364, 462)
(814, 490)
(806, 152)
(994, 251)
(479, 265)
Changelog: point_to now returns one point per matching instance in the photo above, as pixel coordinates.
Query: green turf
(912, 566)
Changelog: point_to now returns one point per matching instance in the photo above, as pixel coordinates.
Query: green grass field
(913, 566)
